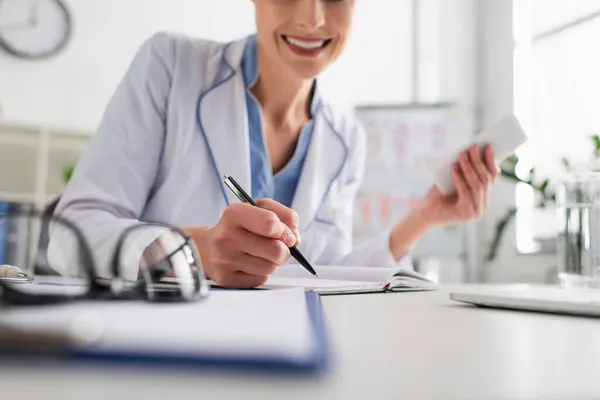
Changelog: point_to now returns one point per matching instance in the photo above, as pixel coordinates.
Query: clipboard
(22, 278)
(315, 361)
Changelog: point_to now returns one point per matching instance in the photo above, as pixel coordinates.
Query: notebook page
(331, 280)
(346, 279)
(336, 272)
(318, 284)
(404, 279)
(228, 322)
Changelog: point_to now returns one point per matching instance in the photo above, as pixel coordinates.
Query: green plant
(542, 186)
(68, 172)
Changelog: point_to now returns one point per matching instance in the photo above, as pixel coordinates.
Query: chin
(306, 72)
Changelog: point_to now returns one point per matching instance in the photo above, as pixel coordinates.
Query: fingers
(245, 271)
(484, 175)
(490, 162)
(258, 221)
(233, 242)
(468, 171)
(274, 251)
(471, 180)
(462, 189)
(242, 280)
(285, 215)
(253, 265)
(227, 256)
(479, 174)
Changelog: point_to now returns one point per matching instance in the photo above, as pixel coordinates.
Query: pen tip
(316, 275)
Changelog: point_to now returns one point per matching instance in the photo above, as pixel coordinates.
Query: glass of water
(578, 201)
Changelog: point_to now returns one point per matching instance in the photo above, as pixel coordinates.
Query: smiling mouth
(307, 44)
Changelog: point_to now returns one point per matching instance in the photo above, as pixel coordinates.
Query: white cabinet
(33, 159)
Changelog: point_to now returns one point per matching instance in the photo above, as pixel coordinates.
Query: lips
(306, 46)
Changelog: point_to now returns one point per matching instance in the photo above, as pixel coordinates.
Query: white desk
(405, 345)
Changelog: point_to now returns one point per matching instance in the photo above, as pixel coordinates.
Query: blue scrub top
(280, 187)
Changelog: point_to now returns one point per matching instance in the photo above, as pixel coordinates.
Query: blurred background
(423, 76)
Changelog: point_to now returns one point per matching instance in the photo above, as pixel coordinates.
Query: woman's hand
(248, 243)
(473, 177)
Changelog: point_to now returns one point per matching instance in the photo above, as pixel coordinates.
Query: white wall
(377, 64)
(71, 90)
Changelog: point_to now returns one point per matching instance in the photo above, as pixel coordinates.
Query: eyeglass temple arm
(85, 253)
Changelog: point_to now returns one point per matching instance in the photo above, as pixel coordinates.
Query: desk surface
(402, 345)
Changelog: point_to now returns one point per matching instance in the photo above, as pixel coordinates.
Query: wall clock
(34, 29)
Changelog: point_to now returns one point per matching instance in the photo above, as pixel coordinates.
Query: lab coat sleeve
(114, 178)
(374, 252)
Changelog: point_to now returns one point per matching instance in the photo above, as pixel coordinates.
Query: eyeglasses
(173, 274)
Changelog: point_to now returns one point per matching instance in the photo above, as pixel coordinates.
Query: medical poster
(404, 144)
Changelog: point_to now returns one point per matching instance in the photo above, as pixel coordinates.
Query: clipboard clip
(12, 274)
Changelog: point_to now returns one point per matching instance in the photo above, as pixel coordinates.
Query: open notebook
(346, 279)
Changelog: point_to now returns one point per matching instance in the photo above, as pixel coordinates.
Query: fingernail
(290, 238)
(297, 235)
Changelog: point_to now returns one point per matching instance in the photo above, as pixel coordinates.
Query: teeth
(305, 45)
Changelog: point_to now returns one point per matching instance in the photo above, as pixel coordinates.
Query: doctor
(189, 111)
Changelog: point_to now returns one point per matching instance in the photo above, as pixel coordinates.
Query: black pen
(244, 197)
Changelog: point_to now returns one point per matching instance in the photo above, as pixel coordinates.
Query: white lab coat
(176, 124)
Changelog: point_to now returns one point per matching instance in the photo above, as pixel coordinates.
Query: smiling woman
(190, 111)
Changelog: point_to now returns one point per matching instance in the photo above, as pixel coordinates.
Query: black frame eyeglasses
(175, 276)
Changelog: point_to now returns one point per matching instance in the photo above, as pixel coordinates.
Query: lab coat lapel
(224, 121)
(324, 161)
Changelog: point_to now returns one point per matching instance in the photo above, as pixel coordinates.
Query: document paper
(232, 323)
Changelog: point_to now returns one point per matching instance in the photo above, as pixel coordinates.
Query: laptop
(547, 299)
